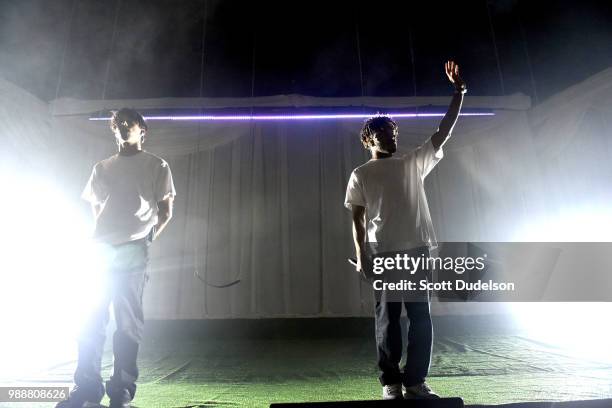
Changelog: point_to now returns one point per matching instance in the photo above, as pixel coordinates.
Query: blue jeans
(389, 342)
(126, 277)
(389, 336)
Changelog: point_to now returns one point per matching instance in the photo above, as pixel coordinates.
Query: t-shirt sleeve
(427, 157)
(164, 186)
(354, 192)
(95, 190)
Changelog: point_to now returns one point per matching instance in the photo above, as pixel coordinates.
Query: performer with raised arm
(390, 215)
(131, 194)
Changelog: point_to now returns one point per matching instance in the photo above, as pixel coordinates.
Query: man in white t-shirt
(131, 194)
(390, 216)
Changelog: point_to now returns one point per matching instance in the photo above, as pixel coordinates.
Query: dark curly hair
(374, 125)
(129, 117)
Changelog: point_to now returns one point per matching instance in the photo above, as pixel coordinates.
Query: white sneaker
(392, 392)
(419, 391)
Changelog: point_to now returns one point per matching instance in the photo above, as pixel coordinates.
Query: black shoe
(80, 396)
(68, 404)
(120, 399)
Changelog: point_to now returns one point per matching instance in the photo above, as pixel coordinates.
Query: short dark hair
(374, 125)
(127, 116)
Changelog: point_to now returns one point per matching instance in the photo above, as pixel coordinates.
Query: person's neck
(126, 149)
(376, 155)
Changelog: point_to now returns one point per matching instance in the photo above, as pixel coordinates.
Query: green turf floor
(482, 369)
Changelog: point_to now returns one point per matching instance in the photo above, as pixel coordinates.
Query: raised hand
(452, 72)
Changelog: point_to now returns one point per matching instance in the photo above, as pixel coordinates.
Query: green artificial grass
(482, 369)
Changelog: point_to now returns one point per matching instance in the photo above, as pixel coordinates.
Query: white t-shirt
(392, 191)
(128, 188)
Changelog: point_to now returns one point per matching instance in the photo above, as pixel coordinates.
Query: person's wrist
(461, 89)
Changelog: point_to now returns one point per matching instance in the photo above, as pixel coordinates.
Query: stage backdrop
(263, 201)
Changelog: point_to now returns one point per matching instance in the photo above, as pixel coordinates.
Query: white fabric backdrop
(263, 202)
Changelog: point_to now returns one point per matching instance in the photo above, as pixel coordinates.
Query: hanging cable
(253, 55)
(412, 62)
(110, 52)
(65, 50)
(362, 87)
(359, 61)
(204, 21)
(534, 88)
(496, 52)
(201, 93)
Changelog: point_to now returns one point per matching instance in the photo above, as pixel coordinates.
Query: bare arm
(359, 231)
(448, 122)
(164, 214)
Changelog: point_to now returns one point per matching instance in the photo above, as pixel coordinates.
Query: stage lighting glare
(580, 330)
(50, 273)
(585, 224)
(576, 327)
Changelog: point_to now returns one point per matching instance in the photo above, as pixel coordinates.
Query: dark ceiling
(93, 49)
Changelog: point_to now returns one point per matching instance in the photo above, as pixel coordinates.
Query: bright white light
(580, 329)
(50, 276)
(585, 224)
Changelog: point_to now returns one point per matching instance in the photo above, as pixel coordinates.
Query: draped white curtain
(263, 201)
(572, 132)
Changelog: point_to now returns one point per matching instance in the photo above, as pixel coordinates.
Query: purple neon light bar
(297, 117)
